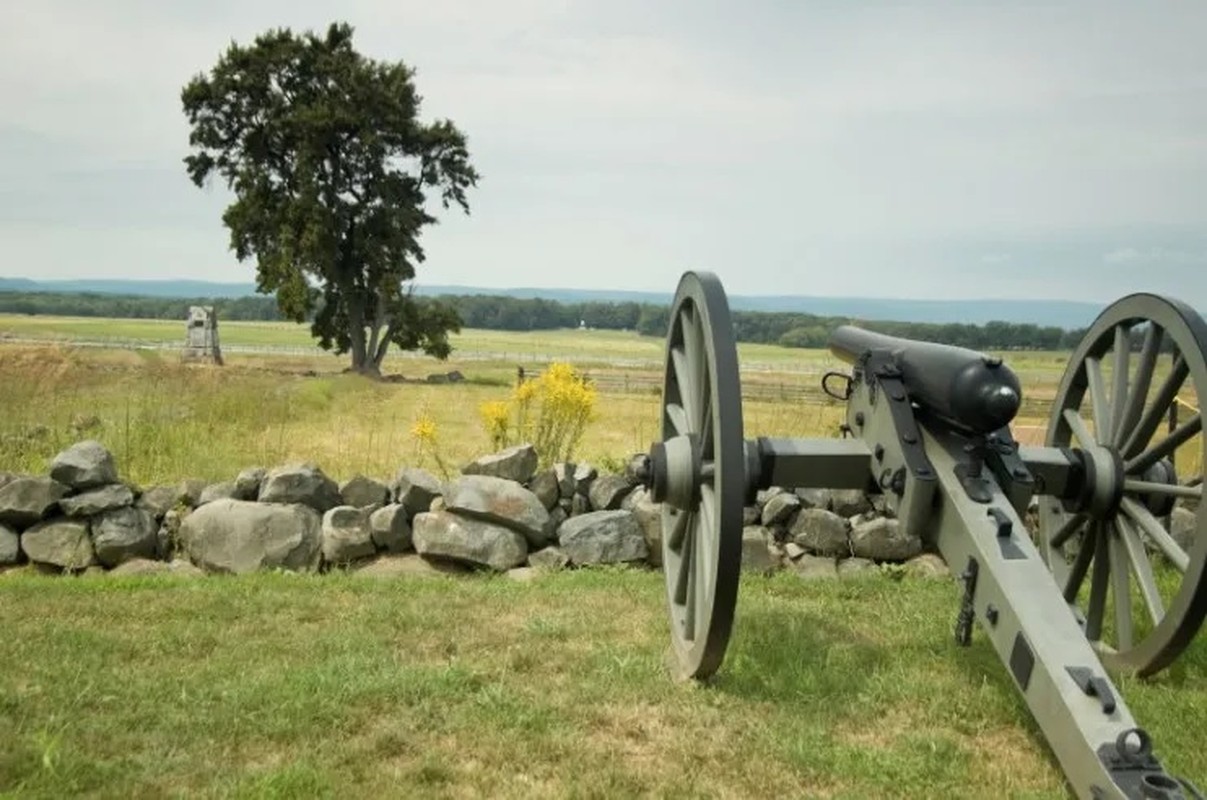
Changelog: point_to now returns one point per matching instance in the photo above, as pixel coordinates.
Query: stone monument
(201, 337)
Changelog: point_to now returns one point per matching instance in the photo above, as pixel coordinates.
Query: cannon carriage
(928, 428)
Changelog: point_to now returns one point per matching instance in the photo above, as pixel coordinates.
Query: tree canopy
(331, 170)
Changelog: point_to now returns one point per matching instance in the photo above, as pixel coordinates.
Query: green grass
(281, 686)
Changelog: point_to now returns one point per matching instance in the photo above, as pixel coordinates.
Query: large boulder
(882, 539)
(501, 502)
(1183, 524)
(545, 486)
(608, 492)
(406, 566)
(84, 465)
(849, 502)
(223, 490)
(25, 501)
(362, 492)
(167, 538)
(780, 508)
(649, 517)
(389, 528)
(61, 543)
(757, 553)
(300, 484)
(415, 489)
(159, 500)
(122, 534)
(97, 501)
(603, 537)
(822, 532)
(346, 535)
(240, 536)
(139, 567)
(514, 464)
(441, 534)
(10, 546)
(248, 481)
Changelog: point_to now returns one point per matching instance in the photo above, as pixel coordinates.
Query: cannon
(928, 430)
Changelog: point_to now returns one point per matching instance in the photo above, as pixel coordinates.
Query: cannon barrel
(973, 390)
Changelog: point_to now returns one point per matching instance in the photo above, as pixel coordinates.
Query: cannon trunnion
(928, 428)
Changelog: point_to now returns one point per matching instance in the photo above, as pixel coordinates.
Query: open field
(289, 686)
(280, 685)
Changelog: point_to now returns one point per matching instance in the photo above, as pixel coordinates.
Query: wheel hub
(1102, 488)
(675, 470)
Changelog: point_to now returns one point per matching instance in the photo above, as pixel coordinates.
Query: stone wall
(501, 513)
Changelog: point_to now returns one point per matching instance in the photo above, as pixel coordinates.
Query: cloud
(922, 150)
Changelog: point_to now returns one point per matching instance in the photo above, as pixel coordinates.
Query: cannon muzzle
(972, 390)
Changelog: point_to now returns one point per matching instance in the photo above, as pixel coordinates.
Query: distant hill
(1060, 313)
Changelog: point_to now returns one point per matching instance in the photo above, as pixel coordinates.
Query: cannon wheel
(1143, 356)
(702, 524)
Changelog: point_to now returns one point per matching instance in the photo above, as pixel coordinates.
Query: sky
(922, 150)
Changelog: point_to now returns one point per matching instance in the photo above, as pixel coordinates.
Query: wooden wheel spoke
(689, 392)
(1096, 612)
(1100, 406)
(1169, 489)
(1149, 352)
(1139, 438)
(1165, 448)
(1148, 524)
(1070, 527)
(1143, 570)
(1081, 566)
(1121, 589)
(685, 568)
(1121, 367)
(1078, 427)
(678, 418)
(678, 530)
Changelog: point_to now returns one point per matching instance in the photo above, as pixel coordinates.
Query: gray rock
(579, 505)
(514, 464)
(556, 517)
(390, 529)
(143, 566)
(248, 482)
(7, 478)
(84, 465)
(167, 538)
(883, 539)
(849, 502)
(403, 566)
(822, 532)
(10, 546)
(544, 486)
(815, 567)
(757, 555)
(442, 534)
(239, 536)
(814, 498)
(549, 558)
(501, 502)
(362, 492)
(25, 501)
(1183, 525)
(61, 543)
(346, 535)
(122, 534)
(927, 565)
(566, 484)
(189, 491)
(300, 484)
(853, 566)
(415, 489)
(649, 517)
(763, 496)
(224, 490)
(751, 515)
(793, 550)
(603, 537)
(159, 500)
(96, 501)
(780, 509)
(607, 492)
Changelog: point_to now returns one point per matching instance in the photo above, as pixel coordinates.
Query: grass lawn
(343, 686)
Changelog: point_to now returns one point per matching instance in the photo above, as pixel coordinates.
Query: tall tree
(331, 171)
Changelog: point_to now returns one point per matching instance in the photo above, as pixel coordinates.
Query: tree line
(495, 312)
